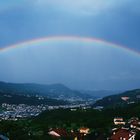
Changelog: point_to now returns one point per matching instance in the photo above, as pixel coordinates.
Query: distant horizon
(47, 84)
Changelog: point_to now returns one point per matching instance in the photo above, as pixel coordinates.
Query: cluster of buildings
(73, 107)
(20, 111)
(63, 133)
(125, 130)
(15, 112)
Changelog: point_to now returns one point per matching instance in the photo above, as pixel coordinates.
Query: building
(84, 130)
(119, 121)
(58, 133)
(125, 98)
(134, 122)
(54, 133)
(62, 133)
(123, 134)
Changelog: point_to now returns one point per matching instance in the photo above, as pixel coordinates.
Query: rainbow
(38, 41)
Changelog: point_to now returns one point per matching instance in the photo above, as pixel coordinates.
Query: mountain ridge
(122, 99)
(55, 91)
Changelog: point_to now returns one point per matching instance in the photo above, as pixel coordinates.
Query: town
(120, 128)
(21, 111)
(123, 130)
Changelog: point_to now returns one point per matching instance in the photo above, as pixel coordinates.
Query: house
(119, 121)
(58, 132)
(123, 134)
(84, 130)
(134, 122)
(54, 133)
(134, 119)
(62, 133)
(125, 98)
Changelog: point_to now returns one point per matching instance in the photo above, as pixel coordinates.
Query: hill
(55, 91)
(29, 100)
(122, 99)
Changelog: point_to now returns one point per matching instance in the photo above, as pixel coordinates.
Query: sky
(78, 65)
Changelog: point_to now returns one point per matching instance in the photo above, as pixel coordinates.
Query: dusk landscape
(70, 70)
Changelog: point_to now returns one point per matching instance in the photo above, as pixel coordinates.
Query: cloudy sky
(78, 65)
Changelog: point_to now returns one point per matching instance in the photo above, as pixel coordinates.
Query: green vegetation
(37, 128)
